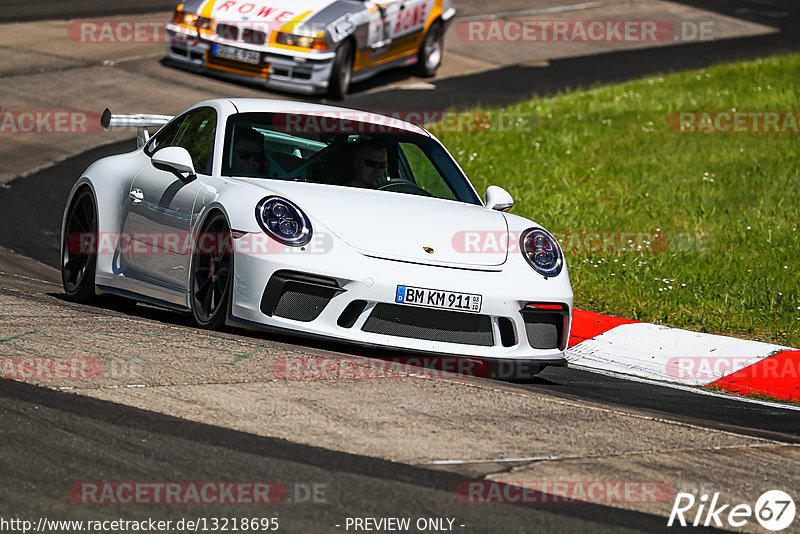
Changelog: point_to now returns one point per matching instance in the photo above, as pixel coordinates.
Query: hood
(281, 11)
(400, 226)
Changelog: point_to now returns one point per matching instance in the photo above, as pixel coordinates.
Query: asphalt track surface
(97, 437)
(27, 10)
(35, 233)
(31, 228)
(516, 82)
(109, 441)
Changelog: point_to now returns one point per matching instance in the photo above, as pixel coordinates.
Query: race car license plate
(239, 54)
(435, 298)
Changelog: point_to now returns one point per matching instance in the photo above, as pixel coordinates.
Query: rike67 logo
(774, 510)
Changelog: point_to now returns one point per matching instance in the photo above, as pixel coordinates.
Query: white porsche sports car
(318, 221)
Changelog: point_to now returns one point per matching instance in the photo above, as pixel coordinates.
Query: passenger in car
(248, 154)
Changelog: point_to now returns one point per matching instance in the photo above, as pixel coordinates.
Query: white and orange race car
(307, 46)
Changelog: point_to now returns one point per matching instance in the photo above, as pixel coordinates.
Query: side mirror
(175, 159)
(498, 199)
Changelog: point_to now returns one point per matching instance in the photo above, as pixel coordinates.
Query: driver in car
(248, 154)
(369, 166)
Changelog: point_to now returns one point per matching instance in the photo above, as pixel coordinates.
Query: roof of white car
(265, 105)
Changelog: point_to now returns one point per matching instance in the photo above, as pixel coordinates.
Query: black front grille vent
(431, 325)
(297, 296)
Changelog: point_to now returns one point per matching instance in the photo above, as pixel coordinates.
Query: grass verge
(698, 231)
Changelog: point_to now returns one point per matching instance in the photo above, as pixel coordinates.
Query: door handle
(136, 196)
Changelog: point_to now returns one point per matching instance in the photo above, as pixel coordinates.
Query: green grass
(604, 160)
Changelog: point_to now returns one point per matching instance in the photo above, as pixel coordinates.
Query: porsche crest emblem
(429, 250)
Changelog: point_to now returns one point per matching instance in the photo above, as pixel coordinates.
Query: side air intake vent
(297, 296)
(546, 325)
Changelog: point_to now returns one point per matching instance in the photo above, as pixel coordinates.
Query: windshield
(341, 152)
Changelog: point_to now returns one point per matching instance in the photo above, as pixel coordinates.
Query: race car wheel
(342, 72)
(78, 260)
(430, 53)
(212, 273)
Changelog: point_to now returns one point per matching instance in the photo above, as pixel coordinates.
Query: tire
(211, 279)
(429, 57)
(78, 266)
(342, 72)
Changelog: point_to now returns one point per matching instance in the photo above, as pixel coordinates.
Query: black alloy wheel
(78, 257)
(212, 273)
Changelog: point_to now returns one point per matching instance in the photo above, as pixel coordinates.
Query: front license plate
(239, 54)
(435, 298)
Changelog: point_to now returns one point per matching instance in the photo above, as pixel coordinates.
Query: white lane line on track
(112, 62)
(693, 389)
(29, 278)
(495, 460)
(533, 12)
(596, 456)
(593, 405)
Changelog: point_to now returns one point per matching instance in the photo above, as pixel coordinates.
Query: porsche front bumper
(349, 296)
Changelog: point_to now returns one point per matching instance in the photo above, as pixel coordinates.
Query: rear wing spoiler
(141, 122)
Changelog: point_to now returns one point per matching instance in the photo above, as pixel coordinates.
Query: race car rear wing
(141, 122)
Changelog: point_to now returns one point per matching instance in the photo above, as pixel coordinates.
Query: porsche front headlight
(284, 221)
(542, 251)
